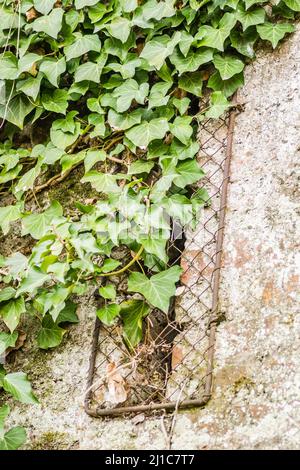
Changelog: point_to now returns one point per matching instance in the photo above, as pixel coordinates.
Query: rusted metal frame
(171, 406)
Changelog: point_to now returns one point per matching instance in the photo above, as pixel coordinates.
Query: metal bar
(219, 249)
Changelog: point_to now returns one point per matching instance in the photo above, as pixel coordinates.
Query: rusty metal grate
(172, 368)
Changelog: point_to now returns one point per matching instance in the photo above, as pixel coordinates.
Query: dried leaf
(116, 385)
(177, 356)
(31, 14)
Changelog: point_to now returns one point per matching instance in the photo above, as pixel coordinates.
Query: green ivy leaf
(19, 387)
(140, 166)
(158, 289)
(293, 4)
(119, 28)
(68, 314)
(122, 122)
(50, 24)
(43, 6)
(56, 101)
(9, 214)
(144, 133)
(82, 45)
(50, 335)
(228, 66)
(11, 313)
(158, 49)
(182, 104)
(15, 437)
(52, 69)
(192, 61)
(215, 37)
(227, 87)
(108, 292)
(244, 43)
(37, 225)
(108, 314)
(102, 182)
(181, 129)
(8, 66)
(274, 32)
(191, 82)
(109, 265)
(27, 180)
(7, 341)
(79, 4)
(251, 17)
(30, 86)
(34, 279)
(132, 313)
(7, 293)
(219, 104)
(16, 110)
(128, 91)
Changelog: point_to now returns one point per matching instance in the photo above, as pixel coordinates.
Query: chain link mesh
(172, 367)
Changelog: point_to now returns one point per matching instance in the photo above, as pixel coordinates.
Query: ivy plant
(116, 89)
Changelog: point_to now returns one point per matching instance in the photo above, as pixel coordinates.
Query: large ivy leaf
(50, 24)
(16, 110)
(119, 28)
(158, 96)
(144, 133)
(228, 66)
(219, 104)
(8, 214)
(34, 279)
(82, 45)
(38, 224)
(19, 387)
(56, 101)
(8, 66)
(132, 313)
(88, 71)
(43, 6)
(102, 182)
(122, 122)
(108, 313)
(13, 439)
(188, 172)
(50, 334)
(11, 313)
(158, 49)
(128, 91)
(158, 289)
(251, 17)
(244, 43)
(215, 37)
(30, 86)
(191, 82)
(181, 129)
(192, 61)
(274, 32)
(293, 4)
(52, 69)
(227, 87)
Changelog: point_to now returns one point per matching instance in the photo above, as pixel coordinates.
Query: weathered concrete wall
(257, 376)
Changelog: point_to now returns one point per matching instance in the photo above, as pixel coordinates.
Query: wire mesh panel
(172, 367)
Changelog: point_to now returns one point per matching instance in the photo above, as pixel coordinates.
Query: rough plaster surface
(256, 397)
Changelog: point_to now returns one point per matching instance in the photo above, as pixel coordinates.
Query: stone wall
(256, 395)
